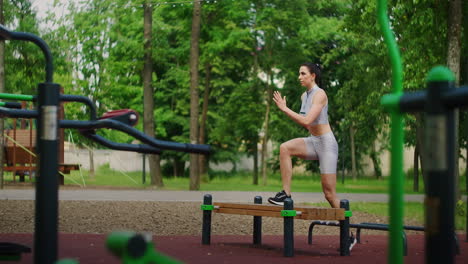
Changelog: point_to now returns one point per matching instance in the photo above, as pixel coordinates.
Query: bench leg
(257, 224)
(206, 228)
(311, 229)
(288, 229)
(344, 230)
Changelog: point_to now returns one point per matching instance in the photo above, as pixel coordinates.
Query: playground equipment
(19, 149)
(47, 113)
(20, 145)
(288, 212)
(438, 101)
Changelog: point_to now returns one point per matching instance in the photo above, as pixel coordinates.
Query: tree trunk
(194, 55)
(375, 162)
(453, 62)
(255, 73)
(353, 153)
(2, 90)
(454, 38)
(206, 96)
(255, 164)
(265, 130)
(416, 169)
(420, 145)
(148, 94)
(92, 170)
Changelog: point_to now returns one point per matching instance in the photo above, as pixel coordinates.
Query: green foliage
(98, 52)
(24, 62)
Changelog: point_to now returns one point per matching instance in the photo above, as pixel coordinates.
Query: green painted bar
(440, 74)
(391, 102)
(395, 252)
(19, 97)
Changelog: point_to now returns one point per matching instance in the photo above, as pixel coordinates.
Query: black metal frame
(439, 102)
(375, 226)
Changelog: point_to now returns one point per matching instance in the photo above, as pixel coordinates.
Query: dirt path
(158, 218)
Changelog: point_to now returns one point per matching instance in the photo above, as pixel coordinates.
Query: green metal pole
(19, 97)
(395, 253)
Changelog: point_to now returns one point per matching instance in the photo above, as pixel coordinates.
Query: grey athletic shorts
(325, 149)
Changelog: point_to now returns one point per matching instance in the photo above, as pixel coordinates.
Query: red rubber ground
(89, 249)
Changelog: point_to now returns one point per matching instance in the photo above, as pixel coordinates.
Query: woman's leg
(294, 147)
(329, 189)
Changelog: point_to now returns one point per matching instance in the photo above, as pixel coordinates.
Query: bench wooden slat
(239, 211)
(307, 213)
(264, 207)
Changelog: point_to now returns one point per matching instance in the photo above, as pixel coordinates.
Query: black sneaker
(279, 198)
(352, 241)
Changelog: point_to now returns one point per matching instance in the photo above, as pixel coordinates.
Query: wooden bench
(269, 210)
(288, 212)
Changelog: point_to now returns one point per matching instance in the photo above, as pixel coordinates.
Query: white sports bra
(306, 105)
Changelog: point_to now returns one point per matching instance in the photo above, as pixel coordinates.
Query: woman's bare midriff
(318, 130)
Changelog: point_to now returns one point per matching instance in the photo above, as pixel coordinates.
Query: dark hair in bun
(314, 68)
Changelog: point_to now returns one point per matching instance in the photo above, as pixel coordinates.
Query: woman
(320, 145)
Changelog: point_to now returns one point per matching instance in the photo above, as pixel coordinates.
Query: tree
(24, 59)
(232, 118)
(148, 97)
(416, 24)
(357, 66)
(278, 49)
(454, 30)
(202, 164)
(464, 80)
(194, 62)
(20, 61)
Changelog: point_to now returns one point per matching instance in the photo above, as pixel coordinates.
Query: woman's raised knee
(284, 150)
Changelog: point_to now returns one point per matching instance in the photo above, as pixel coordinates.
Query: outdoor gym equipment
(10, 105)
(20, 144)
(288, 212)
(438, 101)
(48, 99)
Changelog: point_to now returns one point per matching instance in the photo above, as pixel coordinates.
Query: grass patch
(413, 211)
(240, 181)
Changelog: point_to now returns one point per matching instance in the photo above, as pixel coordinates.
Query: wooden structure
(19, 144)
(269, 210)
(20, 151)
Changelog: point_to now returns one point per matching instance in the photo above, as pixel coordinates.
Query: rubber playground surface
(90, 248)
